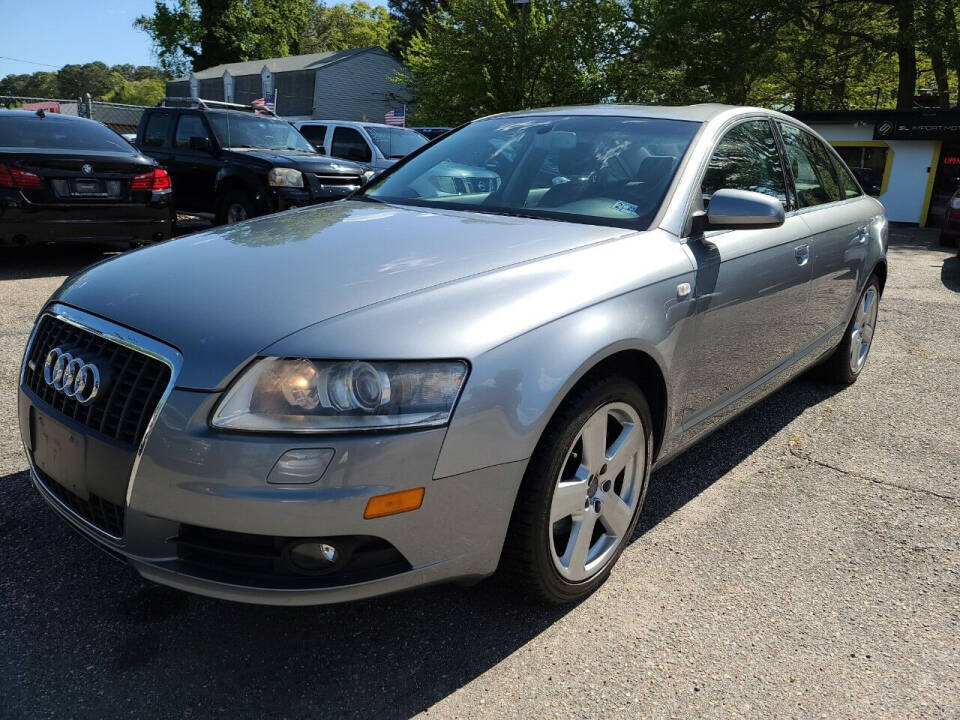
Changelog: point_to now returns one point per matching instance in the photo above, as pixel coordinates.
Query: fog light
(393, 503)
(312, 556)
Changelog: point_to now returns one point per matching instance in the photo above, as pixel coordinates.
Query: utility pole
(524, 15)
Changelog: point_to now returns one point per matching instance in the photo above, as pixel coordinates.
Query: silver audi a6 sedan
(453, 371)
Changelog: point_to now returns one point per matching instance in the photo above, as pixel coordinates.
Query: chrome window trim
(122, 336)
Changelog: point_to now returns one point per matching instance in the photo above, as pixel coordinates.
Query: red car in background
(950, 229)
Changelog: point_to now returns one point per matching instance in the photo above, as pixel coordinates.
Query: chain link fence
(118, 116)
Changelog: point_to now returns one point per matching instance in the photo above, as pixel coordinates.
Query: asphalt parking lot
(802, 562)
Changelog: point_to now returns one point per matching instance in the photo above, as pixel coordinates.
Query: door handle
(802, 254)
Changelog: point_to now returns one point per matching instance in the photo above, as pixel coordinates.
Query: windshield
(31, 131)
(600, 170)
(395, 142)
(257, 131)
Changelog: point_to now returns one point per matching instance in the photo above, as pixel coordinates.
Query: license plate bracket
(59, 452)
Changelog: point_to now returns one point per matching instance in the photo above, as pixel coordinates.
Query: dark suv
(234, 161)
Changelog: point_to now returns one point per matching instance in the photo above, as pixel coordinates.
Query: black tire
(837, 368)
(527, 559)
(235, 199)
(947, 240)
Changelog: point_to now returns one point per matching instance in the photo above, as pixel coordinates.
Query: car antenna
(41, 113)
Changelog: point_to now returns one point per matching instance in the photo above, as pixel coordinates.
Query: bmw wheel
(581, 496)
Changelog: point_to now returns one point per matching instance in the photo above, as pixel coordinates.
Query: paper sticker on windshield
(625, 207)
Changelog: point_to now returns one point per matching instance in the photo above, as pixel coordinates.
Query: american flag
(396, 117)
(266, 104)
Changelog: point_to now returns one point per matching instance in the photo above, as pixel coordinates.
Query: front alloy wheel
(582, 492)
(597, 491)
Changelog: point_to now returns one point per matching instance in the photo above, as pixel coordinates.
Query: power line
(29, 62)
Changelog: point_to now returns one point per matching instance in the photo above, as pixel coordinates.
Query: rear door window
(848, 186)
(814, 173)
(155, 134)
(349, 144)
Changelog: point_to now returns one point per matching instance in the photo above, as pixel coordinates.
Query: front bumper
(316, 192)
(187, 475)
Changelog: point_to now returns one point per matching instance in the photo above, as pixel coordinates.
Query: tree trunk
(953, 57)
(906, 55)
(943, 83)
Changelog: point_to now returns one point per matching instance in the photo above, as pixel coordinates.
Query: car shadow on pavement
(84, 634)
(51, 260)
(950, 273)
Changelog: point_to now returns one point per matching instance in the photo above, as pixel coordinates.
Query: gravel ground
(802, 562)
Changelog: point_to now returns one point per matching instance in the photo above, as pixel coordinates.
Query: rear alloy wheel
(582, 493)
(235, 207)
(848, 359)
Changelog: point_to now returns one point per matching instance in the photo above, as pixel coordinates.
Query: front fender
(515, 388)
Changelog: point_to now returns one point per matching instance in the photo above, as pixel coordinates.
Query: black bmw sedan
(65, 178)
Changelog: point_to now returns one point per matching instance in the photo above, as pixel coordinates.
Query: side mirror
(201, 144)
(740, 210)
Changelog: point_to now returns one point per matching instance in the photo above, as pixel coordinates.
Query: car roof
(703, 112)
(364, 123)
(48, 116)
(218, 111)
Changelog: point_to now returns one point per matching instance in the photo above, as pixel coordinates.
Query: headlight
(298, 395)
(368, 175)
(285, 177)
(955, 202)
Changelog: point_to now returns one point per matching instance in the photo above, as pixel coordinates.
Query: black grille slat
(132, 387)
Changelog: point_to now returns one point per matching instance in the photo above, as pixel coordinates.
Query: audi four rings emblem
(71, 375)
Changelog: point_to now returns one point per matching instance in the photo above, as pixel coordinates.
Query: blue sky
(57, 32)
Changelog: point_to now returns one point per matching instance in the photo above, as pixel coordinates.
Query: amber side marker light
(393, 503)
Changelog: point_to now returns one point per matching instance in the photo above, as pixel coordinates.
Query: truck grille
(350, 180)
(133, 382)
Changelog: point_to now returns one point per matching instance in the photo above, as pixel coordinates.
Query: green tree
(201, 33)
(41, 84)
(147, 91)
(344, 26)
(484, 56)
(75, 80)
(411, 17)
(697, 51)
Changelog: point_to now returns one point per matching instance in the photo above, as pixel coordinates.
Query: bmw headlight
(285, 177)
(299, 395)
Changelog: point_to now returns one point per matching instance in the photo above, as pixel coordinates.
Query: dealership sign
(919, 129)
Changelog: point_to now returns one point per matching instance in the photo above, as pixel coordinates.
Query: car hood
(313, 162)
(223, 295)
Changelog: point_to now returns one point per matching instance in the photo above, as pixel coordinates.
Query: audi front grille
(132, 384)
